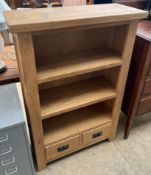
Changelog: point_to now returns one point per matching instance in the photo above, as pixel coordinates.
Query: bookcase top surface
(55, 18)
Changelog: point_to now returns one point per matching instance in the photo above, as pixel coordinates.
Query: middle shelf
(58, 100)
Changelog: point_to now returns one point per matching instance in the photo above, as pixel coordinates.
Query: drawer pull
(98, 134)
(5, 151)
(11, 171)
(8, 161)
(4, 138)
(63, 148)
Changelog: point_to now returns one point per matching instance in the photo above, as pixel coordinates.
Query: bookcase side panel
(129, 39)
(27, 69)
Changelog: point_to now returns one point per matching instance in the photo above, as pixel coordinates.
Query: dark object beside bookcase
(137, 97)
(148, 7)
(102, 1)
(140, 4)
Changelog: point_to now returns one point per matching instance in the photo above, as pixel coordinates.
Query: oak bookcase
(73, 64)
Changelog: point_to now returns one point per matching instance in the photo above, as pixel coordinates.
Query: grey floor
(120, 157)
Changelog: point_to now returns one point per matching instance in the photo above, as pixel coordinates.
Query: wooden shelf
(74, 122)
(63, 99)
(68, 65)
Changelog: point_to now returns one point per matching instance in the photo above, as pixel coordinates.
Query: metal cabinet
(15, 152)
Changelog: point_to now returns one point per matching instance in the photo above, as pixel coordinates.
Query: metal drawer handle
(5, 151)
(8, 161)
(11, 171)
(63, 148)
(98, 134)
(4, 138)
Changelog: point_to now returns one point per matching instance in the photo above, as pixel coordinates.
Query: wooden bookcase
(73, 64)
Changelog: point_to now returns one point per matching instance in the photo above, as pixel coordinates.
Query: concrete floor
(120, 157)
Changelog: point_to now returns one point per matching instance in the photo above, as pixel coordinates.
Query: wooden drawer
(97, 134)
(144, 105)
(147, 87)
(62, 148)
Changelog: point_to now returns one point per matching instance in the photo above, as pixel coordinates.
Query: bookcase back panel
(76, 40)
(70, 41)
(112, 74)
(119, 36)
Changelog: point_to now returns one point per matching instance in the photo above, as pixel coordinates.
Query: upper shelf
(68, 65)
(74, 16)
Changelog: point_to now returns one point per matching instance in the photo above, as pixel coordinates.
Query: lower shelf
(75, 122)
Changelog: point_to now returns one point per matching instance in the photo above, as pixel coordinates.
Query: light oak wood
(72, 144)
(46, 19)
(81, 28)
(75, 122)
(73, 64)
(118, 38)
(70, 41)
(62, 66)
(64, 99)
(78, 78)
(75, 143)
(96, 135)
(23, 42)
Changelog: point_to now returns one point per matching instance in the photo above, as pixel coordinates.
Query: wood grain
(126, 55)
(144, 105)
(26, 61)
(147, 87)
(138, 76)
(11, 74)
(75, 122)
(105, 131)
(93, 97)
(76, 16)
(70, 41)
(69, 65)
(73, 144)
(66, 98)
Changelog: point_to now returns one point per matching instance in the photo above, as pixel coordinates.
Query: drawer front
(97, 134)
(149, 72)
(3, 137)
(62, 148)
(16, 164)
(147, 87)
(144, 105)
(12, 140)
